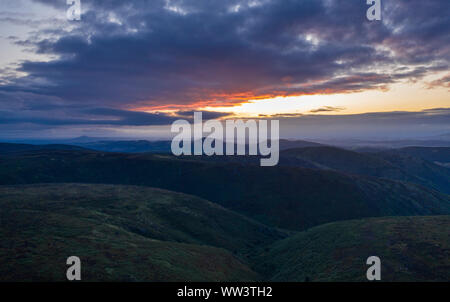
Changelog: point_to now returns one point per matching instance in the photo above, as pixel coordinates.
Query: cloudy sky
(130, 68)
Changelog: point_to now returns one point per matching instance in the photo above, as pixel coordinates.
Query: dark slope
(338, 159)
(410, 249)
(285, 197)
(118, 231)
(424, 172)
(439, 155)
(389, 164)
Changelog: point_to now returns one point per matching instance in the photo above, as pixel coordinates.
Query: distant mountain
(392, 164)
(119, 230)
(410, 249)
(6, 148)
(83, 139)
(56, 141)
(440, 155)
(138, 146)
(122, 146)
(287, 197)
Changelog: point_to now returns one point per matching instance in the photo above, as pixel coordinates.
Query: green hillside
(344, 160)
(394, 164)
(433, 154)
(286, 197)
(123, 233)
(130, 233)
(410, 249)
(425, 172)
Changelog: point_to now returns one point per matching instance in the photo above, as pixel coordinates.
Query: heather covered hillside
(397, 164)
(123, 233)
(410, 249)
(129, 233)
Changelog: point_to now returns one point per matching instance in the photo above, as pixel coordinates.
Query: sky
(131, 68)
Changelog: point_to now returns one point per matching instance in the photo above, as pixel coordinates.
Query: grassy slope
(425, 172)
(388, 164)
(343, 160)
(286, 197)
(433, 154)
(122, 233)
(410, 249)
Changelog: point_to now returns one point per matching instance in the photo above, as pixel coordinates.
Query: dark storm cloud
(94, 116)
(131, 54)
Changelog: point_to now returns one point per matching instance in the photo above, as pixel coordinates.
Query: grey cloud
(327, 109)
(222, 52)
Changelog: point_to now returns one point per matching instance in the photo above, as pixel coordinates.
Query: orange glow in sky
(406, 96)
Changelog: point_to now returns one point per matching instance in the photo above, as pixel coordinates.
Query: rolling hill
(423, 172)
(123, 233)
(130, 233)
(439, 155)
(392, 164)
(286, 197)
(333, 158)
(410, 249)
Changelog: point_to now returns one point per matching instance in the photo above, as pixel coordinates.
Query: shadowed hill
(338, 159)
(118, 231)
(389, 164)
(440, 155)
(286, 197)
(422, 171)
(410, 249)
